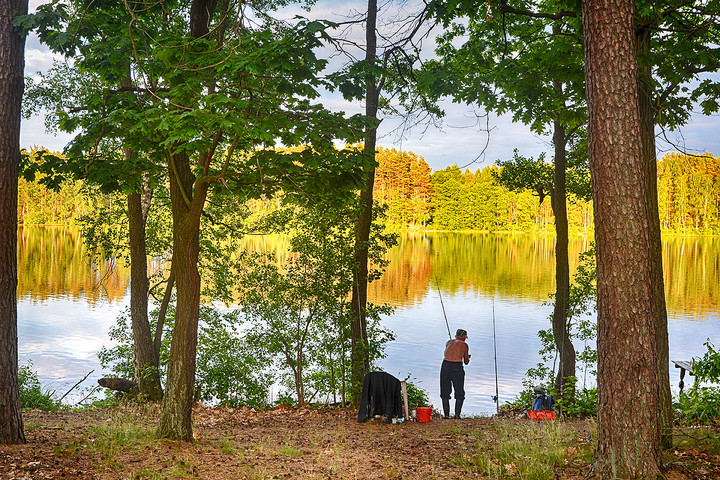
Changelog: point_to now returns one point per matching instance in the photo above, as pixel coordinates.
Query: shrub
(31, 393)
(229, 370)
(701, 404)
(583, 405)
(417, 397)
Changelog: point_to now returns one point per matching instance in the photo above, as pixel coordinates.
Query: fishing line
(447, 324)
(496, 398)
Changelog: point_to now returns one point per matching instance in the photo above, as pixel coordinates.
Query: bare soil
(282, 443)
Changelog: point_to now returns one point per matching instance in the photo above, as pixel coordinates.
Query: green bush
(701, 404)
(583, 405)
(417, 397)
(229, 370)
(707, 367)
(31, 393)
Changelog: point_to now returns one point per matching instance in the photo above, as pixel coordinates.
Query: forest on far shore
(448, 199)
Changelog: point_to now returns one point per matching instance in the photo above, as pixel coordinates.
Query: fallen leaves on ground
(281, 443)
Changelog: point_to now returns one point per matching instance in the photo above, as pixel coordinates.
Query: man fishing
(452, 373)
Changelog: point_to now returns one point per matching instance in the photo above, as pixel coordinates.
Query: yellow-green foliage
(39, 206)
(689, 193)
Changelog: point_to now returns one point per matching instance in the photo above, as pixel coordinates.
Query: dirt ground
(283, 443)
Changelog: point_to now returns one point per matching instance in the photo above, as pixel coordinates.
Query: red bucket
(424, 414)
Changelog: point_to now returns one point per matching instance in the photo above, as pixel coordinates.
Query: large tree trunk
(647, 136)
(146, 359)
(628, 424)
(11, 90)
(562, 268)
(359, 341)
(176, 413)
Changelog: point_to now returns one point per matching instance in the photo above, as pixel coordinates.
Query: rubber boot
(446, 408)
(458, 407)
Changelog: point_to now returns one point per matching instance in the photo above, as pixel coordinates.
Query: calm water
(67, 305)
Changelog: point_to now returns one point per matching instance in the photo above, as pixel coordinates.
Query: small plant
(288, 451)
(227, 446)
(417, 397)
(583, 405)
(110, 439)
(31, 394)
(701, 404)
(148, 473)
(183, 469)
(698, 406)
(707, 368)
(68, 449)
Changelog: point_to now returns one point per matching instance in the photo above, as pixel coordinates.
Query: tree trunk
(647, 136)
(562, 269)
(628, 424)
(360, 362)
(146, 359)
(187, 206)
(176, 413)
(11, 89)
(162, 311)
(299, 385)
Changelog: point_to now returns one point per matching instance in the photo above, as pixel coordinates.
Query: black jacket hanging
(380, 396)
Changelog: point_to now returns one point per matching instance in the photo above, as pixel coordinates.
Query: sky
(466, 137)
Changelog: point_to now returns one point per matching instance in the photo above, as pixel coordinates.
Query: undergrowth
(32, 395)
(525, 450)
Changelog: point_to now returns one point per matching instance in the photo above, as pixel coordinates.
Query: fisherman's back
(456, 351)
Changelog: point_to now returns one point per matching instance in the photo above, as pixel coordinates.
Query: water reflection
(66, 305)
(53, 263)
(692, 276)
(520, 266)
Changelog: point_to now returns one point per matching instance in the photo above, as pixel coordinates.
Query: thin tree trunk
(628, 424)
(562, 269)
(162, 312)
(360, 362)
(11, 90)
(299, 385)
(145, 358)
(647, 136)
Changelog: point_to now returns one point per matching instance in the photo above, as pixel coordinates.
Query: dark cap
(461, 333)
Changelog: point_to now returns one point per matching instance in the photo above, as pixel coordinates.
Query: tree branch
(505, 8)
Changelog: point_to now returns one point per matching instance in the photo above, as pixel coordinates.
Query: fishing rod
(447, 324)
(496, 398)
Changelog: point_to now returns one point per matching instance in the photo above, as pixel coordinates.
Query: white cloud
(38, 60)
(32, 133)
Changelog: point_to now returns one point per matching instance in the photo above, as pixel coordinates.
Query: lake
(66, 305)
